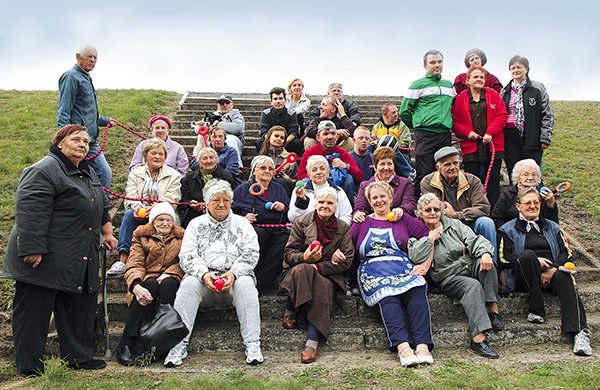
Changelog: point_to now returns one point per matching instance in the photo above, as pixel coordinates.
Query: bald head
(86, 58)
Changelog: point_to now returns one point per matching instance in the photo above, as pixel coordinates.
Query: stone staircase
(355, 326)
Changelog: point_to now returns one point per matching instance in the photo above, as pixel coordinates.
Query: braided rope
(274, 225)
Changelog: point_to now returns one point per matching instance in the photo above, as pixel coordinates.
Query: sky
(371, 47)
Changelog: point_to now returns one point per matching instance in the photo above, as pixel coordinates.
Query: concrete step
(356, 335)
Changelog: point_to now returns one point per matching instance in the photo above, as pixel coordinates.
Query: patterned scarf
(150, 189)
(518, 104)
(326, 230)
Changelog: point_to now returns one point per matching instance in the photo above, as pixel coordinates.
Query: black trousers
(515, 150)
(270, 264)
(163, 292)
(426, 144)
(480, 170)
(528, 274)
(74, 314)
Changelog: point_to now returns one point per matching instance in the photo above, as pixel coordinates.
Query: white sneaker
(535, 318)
(423, 355)
(117, 268)
(176, 355)
(407, 357)
(582, 345)
(253, 354)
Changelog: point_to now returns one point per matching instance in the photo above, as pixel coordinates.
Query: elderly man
(279, 115)
(336, 91)
(77, 105)
(390, 123)
(231, 120)
(331, 109)
(426, 109)
(327, 136)
(461, 193)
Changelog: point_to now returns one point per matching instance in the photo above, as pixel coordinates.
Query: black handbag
(162, 332)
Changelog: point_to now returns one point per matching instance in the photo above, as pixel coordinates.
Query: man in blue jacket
(77, 104)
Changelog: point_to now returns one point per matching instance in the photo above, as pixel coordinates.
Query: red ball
(315, 245)
(219, 284)
(203, 130)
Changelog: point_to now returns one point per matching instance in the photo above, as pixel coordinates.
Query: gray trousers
(474, 291)
(193, 294)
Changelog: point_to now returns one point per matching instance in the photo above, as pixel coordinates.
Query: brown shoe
(289, 321)
(308, 355)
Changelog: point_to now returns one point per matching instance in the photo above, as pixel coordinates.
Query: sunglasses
(432, 209)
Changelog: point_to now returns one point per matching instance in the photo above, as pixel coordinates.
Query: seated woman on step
(534, 250)
(153, 180)
(464, 270)
(313, 271)
(273, 146)
(152, 275)
(387, 277)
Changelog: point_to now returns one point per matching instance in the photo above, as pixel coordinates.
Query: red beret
(160, 118)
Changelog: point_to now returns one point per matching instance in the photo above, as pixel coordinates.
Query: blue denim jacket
(77, 102)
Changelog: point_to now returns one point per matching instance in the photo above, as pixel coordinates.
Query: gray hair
(325, 192)
(83, 50)
(424, 200)
(314, 159)
(257, 160)
(431, 52)
(214, 187)
(524, 164)
(207, 149)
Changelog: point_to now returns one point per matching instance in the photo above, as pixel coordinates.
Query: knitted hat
(334, 85)
(161, 208)
(479, 52)
(160, 118)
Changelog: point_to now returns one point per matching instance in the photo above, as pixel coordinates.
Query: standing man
(77, 104)
(426, 109)
(279, 115)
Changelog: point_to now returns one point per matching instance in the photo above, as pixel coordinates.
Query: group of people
(352, 216)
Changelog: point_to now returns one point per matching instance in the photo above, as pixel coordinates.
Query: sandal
(423, 354)
(407, 357)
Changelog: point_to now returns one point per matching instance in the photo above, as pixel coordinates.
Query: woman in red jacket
(479, 117)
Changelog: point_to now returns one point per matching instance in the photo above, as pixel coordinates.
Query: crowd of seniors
(194, 235)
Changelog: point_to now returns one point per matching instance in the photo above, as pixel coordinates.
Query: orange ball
(391, 216)
(142, 213)
(570, 266)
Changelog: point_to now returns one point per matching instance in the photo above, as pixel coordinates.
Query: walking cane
(107, 353)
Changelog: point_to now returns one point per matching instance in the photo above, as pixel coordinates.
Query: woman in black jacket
(61, 213)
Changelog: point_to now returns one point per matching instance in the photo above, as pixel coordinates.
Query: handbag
(162, 332)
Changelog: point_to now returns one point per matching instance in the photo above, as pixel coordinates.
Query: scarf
(150, 189)
(326, 230)
(517, 90)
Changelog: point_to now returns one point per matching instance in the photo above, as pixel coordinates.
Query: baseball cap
(325, 125)
(224, 98)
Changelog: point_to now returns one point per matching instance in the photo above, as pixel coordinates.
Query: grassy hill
(28, 121)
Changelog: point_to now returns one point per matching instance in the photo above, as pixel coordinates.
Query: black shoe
(503, 290)
(94, 364)
(496, 320)
(124, 355)
(484, 349)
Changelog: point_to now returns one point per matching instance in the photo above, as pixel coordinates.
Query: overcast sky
(371, 47)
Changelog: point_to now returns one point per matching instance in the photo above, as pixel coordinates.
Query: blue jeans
(100, 165)
(403, 165)
(128, 225)
(348, 188)
(485, 226)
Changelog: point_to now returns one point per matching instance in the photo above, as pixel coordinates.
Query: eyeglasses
(535, 203)
(168, 220)
(529, 174)
(269, 168)
(432, 209)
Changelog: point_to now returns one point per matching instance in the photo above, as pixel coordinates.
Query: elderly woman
(403, 198)
(303, 198)
(297, 100)
(479, 117)
(314, 273)
(464, 270)
(192, 203)
(526, 173)
(533, 249)
(273, 146)
(476, 57)
(264, 204)
(387, 277)
(218, 256)
(530, 121)
(229, 158)
(52, 253)
(152, 275)
(160, 126)
(154, 180)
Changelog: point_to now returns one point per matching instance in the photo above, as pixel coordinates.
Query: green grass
(447, 375)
